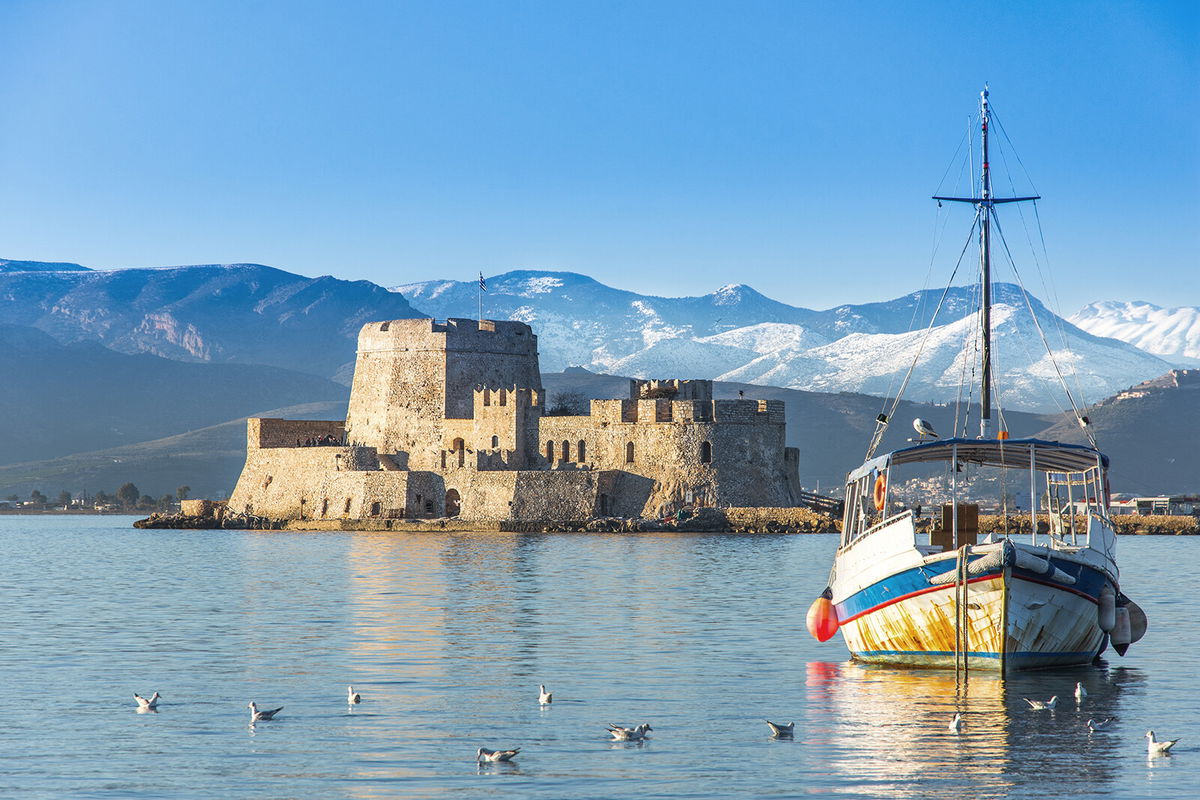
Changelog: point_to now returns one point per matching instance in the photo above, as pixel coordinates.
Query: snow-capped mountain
(582, 322)
(1172, 334)
(737, 334)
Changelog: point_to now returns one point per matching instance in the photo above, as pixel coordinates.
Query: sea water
(447, 637)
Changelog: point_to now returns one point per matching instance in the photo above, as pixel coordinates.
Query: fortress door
(453, 500)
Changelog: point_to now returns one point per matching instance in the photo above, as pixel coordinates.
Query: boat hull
(1015, 621)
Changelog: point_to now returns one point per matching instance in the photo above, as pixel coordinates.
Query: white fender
(1121, 634)
(1106, 612)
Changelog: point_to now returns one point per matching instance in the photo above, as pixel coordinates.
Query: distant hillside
(221, 313)
(208, 460)
(1150, 432)
(831, 430)
(1141, 430)
(8, 265)
(58, 399)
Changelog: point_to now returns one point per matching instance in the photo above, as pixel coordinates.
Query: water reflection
(888, 728)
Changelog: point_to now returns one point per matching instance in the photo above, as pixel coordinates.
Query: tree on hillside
(102, 498)
(147, 503)
(564, 404)
(37, 498)
(181, 493)
(64, 498)
(166, 502)
(128, 495)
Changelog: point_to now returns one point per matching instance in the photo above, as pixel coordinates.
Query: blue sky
(667, 148)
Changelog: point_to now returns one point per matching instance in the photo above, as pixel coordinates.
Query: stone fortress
(447, 419)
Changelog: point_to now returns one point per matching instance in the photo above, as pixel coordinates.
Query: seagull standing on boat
(261, 716)
(956, 723)
(1042, 705)
(1156, 747)
(544, 697)
(1080, 693)
(924, 428)
(353, 698)
(146, 703)
(781, 731)
(496, 755)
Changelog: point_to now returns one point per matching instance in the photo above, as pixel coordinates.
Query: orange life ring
(880, 492)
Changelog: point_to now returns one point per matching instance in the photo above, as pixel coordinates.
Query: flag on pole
(482, 283)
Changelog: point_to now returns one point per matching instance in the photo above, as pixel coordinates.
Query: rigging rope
(1038, 325)
(881, 424)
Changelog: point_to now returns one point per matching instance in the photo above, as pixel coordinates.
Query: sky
(666, 148)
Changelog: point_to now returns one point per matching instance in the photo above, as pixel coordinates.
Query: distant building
(446, 419)
(1176, 505)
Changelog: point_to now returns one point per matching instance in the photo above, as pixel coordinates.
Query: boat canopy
(1015, 453)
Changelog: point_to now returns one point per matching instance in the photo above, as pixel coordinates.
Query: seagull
(1158, 748)
(637, 734)
(146, 703)
(352, 697)
(259, 716)
(924, 428)
(1080, 692)
(496, 755)
(781, 731)
(956, 723)
(544, 697)
(1099, 724)
(1042, 705)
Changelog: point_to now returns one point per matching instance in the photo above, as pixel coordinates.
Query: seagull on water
(1099, 724)
(1156, 747)
(260, 716)
(544, 697)
(781, 731)
(1080, 692)
(956, 723)
(352, 697)
(146, 703)
(1042, 705)
(637, 734)
(496, 755)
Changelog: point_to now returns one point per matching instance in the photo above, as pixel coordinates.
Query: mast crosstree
(984, 203)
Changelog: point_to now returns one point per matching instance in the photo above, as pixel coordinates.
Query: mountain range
(1169, 333)
(737, 334)
(106, 371)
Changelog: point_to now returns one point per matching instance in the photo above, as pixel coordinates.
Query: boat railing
(887, 522)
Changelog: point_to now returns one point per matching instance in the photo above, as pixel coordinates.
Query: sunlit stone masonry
(447, 419)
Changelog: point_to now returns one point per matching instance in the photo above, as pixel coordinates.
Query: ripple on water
(448, 636)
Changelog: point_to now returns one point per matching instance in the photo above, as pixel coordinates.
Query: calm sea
(448, 636)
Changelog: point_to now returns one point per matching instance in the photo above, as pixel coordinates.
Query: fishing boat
(1040, 589)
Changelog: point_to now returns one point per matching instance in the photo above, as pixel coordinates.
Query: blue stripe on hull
(1088, 581)
(945, 659)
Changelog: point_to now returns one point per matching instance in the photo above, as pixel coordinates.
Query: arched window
(461, 448)
(566, 450)
(581, 453)
(453, 502)
(629, 453)
(705, 453)
(495, 442)
(550, 451)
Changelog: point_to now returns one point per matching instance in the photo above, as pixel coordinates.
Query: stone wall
(275, 432)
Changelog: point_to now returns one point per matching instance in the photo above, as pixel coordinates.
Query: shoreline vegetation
(730, 520)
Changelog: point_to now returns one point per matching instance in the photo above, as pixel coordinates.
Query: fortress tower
(414, 379)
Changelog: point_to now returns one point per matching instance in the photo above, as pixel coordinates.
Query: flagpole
(481, 288)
